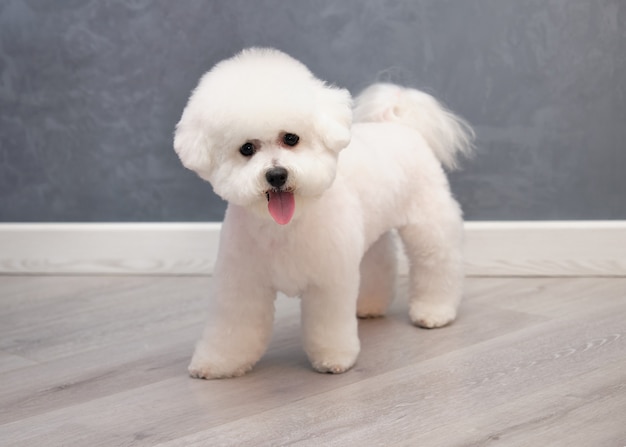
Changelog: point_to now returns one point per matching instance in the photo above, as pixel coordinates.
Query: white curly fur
(352, 185)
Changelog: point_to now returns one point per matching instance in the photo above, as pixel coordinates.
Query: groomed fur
(448, 135)
(312, 215)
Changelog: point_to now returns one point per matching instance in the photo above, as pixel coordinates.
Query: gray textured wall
(90, 92)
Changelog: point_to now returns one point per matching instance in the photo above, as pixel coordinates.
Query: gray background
(90, 92)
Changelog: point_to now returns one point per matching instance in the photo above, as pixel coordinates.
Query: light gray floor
(100, 361)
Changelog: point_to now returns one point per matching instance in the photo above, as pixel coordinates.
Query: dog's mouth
(281, 204)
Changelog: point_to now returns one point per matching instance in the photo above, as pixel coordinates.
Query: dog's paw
(431, 316)
(332, 367)
(203, 367)
(373, 305)
(208, 372)
(370, 313)
(334, 361)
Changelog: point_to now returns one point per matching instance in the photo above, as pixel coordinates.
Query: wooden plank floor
(101, 361)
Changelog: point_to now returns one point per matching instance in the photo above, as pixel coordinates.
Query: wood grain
(101, 361)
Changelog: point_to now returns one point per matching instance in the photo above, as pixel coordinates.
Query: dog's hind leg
(378, 278)
(433, 244)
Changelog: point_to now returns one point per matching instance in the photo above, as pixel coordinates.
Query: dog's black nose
(277, 176)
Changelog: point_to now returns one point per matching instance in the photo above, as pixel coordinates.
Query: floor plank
(101, 361)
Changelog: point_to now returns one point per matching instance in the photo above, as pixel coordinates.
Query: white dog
(312, 199)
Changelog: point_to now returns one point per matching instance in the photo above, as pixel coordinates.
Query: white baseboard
(580, 248)
(108, 248)
(548, 248)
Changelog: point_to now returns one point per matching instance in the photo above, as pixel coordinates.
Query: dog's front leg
(329, 325)
(241, 315)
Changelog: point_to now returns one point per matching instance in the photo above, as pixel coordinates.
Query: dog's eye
(247, 150)
(291, 139)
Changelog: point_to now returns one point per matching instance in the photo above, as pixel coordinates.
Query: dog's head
(264, 131)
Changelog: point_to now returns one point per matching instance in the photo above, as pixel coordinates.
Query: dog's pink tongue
(281, 206)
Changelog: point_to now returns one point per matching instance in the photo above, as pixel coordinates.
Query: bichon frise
(314, 187)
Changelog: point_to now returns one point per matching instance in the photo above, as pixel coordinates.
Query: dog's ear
(192, 147)
(334, 117)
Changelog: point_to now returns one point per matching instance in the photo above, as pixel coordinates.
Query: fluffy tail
(447, 134)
